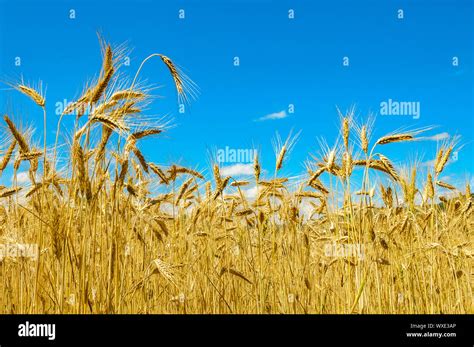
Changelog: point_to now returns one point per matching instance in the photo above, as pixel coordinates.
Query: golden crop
(119, 234)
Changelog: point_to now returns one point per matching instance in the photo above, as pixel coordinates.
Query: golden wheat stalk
(105, 106)
(127, 108)
(22, 143)
(141, 158)
(80, 161)
(32, 93)
(112, 123)
(364, 139)
(256, 168)
(8, 155)
(101, 86)
(165, 270)
(127, 94)
(317, 184)
(178, 80)
(235, 273)
(106, 134)
(306, 194)
(390, 169)
(144, 133)
(30, 155)
(159, 173)
(445, 185)
(347, 165)
(183, 189)
(185, 170)
(122, 174)
(345, 132)
(429, 188)
(274, 182)
(281, 157)
(34, 189)
(239, 183)
(244, 212)
(442, 159)
(9, 192)
(394, 138)
(217, 176)
(315, 175)
(331, 165)
(108, 59)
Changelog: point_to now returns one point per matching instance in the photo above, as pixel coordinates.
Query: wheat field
(117, 233)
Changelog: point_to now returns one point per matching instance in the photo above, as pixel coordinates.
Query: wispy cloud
(438, 137)
(237, 170)
(429, 163)
(272, 116)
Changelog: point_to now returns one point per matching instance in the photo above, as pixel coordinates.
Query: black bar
(314, 330)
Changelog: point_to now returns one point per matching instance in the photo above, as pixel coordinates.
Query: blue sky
(282, 61)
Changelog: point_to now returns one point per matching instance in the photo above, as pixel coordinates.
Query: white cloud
(166, 208)
(250, 193)
(446, 178)
(22, 177)
(438, 137)
(306, 209)
(429, 163)
(272, 116)
(237, 170)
